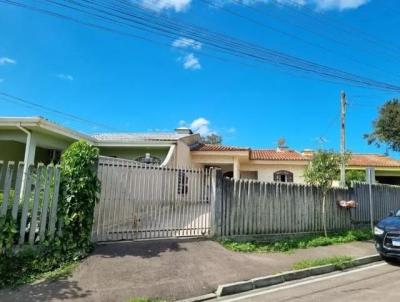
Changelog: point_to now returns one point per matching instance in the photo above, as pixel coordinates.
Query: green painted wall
(14, 151)
(134, 152)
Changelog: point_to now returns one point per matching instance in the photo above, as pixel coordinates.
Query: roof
(102, 139)
(271, 154)
(214, 147)
(135, 137)
(372, 160)
(31, 122)
(356, 160)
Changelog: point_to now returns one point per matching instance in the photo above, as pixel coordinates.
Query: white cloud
(159, 5)
(339, 4)
(187, 43)
(64, 76)
(191, 62)
(319, 4)
(5, 60)
(201, 126)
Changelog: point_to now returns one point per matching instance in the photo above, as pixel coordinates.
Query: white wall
(266, 171)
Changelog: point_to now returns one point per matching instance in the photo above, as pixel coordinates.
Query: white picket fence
(31, 200)
(139, 201)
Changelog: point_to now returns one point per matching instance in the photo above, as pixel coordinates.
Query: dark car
(387, 236)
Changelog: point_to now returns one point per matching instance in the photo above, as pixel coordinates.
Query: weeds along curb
(242, 286)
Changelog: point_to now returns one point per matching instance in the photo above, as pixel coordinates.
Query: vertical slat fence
(28, 204)
(385, 198)
(139, 201)
(257, 208)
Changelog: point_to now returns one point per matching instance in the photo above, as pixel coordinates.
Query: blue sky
(132, 85)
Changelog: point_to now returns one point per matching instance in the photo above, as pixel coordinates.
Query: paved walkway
(170, 269)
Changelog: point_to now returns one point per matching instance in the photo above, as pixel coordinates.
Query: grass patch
(64, 271)
(338, 261)
(30, 265)
(297, 243)
(145, 300)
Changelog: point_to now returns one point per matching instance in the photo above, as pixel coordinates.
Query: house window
(283, 176)
(183, 183)
(148, 159)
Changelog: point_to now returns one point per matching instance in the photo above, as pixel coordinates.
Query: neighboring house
(282, 164)
(34, 139)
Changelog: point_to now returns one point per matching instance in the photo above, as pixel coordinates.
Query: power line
(152, 41)
(348, 28)
(293, 36)
(229, 45)
(26, 103)
(312, 30)
(236, 47)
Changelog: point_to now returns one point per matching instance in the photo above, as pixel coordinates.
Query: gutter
(26, 156)
(169, 156)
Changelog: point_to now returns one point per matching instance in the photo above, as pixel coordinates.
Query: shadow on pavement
(45, 291)
(143, 249)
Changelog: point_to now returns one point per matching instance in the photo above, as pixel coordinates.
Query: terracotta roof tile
(276, 155)
(212, 147)
(356, 160)
(372, 160)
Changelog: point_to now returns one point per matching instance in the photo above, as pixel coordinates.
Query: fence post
(216, 202)
(370, 178)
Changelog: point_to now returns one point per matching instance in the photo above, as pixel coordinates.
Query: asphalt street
(377, 282)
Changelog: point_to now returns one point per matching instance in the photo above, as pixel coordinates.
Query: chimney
(282, 148)
(183, 130)
(308, 152)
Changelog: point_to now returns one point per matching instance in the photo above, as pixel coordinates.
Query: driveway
(171, 269)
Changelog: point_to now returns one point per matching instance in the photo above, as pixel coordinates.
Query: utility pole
(343, 138)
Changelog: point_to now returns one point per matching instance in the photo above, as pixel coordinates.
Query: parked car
(387, 235)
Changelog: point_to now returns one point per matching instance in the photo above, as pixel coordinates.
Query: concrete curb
(237, 287)
(242, 286)
(200, 298)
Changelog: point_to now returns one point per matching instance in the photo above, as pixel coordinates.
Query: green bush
(78, 195)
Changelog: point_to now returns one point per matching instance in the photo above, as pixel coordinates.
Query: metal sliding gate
(139, 201)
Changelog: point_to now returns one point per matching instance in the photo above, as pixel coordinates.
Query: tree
(355, 175)
(322, 171)
(213, 139)
(387, 126)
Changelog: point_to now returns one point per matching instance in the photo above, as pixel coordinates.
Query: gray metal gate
(139, 201)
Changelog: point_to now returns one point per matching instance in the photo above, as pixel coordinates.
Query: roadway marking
(305, 282)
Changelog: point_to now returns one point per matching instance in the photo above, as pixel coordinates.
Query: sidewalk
(169, 269)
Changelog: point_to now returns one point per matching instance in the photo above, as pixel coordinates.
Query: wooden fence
(31, 200)
(259, 208)
(385, 198)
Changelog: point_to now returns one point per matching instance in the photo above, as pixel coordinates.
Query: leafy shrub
(7, 233)
(79, 194)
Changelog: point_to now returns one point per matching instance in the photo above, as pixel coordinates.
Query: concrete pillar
(236, 168)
